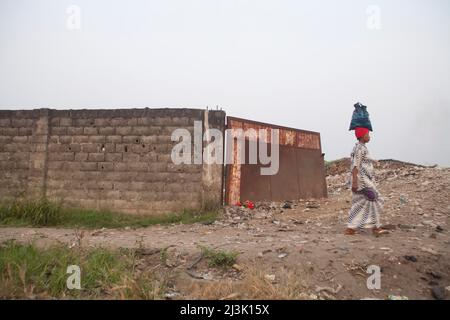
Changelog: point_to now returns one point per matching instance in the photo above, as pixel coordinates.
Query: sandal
(350, 232)
(379, 231)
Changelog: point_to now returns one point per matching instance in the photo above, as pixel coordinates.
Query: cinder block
(90, 131)
(5, 122)
(138, 166)
(114, 139)
(121, 166)
(74, 147)
(65, 139)
(61, 156)
(131, 139)
(88, 166)
(130, 157)
(107, 131)
(65, 122)
(102, 122)
(20, 139)
(25, 132)
(157, 167)
(75, 131)
(58, 130)
(97, 157)
(90, 148)
(81, 156)
(113, 157)
(107, 147)
(105, 185)
(80, 139)
(140, 130)
(119, 122)
(97, 139)
(121, 186)
(105, 166)
(123, 131)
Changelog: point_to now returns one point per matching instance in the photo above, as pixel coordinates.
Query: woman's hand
(354, 187)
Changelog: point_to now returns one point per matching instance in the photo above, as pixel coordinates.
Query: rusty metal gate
(301, 172)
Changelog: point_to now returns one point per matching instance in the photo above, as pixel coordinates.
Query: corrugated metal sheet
(301, 173)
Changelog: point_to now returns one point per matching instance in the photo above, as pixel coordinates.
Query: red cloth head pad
(361, 132)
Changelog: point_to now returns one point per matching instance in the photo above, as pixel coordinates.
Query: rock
(411, 258)
(238, 267)
(403, 199)
(439, 229)
(435, 275)
(438, 292)
(428, 223)
(429, 250)
(312, 205)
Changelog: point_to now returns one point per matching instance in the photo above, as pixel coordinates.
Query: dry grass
(254, 285)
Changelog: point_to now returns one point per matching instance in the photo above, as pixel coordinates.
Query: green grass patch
(29, 272)
(219, 258)
(22, 212)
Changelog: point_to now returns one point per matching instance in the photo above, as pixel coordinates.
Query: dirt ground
(299, 252)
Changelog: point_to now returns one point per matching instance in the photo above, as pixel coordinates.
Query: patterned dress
(363, 213)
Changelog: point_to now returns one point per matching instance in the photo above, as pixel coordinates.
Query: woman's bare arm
(355, 179)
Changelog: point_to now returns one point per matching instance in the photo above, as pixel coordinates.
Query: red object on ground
(249, 204)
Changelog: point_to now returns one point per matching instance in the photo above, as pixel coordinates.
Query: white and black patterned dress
(364, 213)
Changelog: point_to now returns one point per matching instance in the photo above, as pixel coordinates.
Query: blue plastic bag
(360, 117)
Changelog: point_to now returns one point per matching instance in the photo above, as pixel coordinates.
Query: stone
(438, 292)
(429, 250)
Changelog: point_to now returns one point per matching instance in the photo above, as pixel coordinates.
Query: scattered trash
(392, 297)
(171, 295)
(270, 277)
(329, 289)
(411, 258)
(247, 204)
(287, 205)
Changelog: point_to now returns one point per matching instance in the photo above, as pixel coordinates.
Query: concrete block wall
(106, 159)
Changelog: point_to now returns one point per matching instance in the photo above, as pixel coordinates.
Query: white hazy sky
(296, 63)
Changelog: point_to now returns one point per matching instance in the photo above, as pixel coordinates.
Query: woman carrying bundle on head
(366, 203)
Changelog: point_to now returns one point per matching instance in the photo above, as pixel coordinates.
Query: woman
(366, 204)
